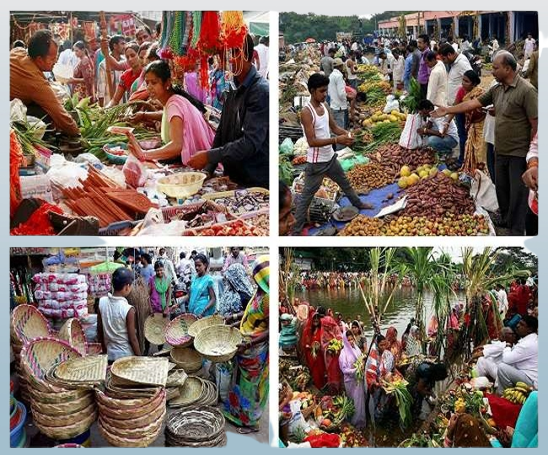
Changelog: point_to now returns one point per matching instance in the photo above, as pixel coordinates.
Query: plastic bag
(409, 138)
(18, 111)
(134, 172)
(348, 164)
(483, 191)
(153, 224)
(297, 420)
(223, 379)
(286, 147)
(392, 104)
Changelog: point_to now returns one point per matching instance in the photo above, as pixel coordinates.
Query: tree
(510, 258)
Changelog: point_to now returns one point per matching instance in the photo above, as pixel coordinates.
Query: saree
(330, 331)
(475, 151)
(237, 287)
(310, 346)
(354, 387)
(249, 389)
(395, 345)
(199, 295)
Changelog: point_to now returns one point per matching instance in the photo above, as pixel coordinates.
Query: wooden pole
(110, 82)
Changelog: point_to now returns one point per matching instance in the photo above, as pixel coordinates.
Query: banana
(522, 389)
(522, 385)
(522, 399)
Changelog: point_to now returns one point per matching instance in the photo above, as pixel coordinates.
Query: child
(202, 295)
(116, 319)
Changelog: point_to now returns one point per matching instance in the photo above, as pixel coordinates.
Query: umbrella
(310, 40)
(107, 266)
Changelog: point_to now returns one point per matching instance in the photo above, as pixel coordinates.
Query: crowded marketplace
(138, 347)
(139, 123)
(425, 126)
(408, 347)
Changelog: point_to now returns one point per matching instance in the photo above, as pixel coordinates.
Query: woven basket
(125, 404)
(69, 446)
(116, 441)
(125, 391)
(57, 397)
(67, 431)
(176, 379)
(219, 441)
(177, 332)
(141, 370)
(189, 393)
(64, 419)
(28, 323)
(129, 414)
(219, 343)
(172, 393)
(195, 424)
(137, 422)
(203, 323)
(155, 328)
(187, 358)
(210, 395)
(40, 354)
(82, 370)
(136, 431)
(60, 409)
(73, 333)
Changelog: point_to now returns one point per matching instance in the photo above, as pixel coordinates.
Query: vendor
(184, 129)
(318, 123)
(442, 135)
(241, 141)
(28, 83)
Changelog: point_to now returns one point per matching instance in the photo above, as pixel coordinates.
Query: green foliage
(411, 101)
(286, 170)
(298, 27)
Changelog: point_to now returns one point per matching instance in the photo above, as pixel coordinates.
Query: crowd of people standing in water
(358, 367)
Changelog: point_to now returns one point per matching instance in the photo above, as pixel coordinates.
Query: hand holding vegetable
(345, 139)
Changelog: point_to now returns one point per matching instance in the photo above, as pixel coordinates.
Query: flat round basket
(182, 184)
(67, 431)
(189, 393)
(28, 323)
(177, 331)
(91, 369)
(218, 343)
(57, 397)
(64, 419)
(172, 393)
(59, 409)
(40, 354)
(117, 441)
(137, 422)
(204, 323)
(73, 333)
(155, 328)
(188, 359)
(195, 425)
(94, 348)
(177, 378)
(126, 404)
(133, 413)
(141, 370)
(136, 431)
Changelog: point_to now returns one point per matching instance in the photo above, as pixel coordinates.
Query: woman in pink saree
(355, 388)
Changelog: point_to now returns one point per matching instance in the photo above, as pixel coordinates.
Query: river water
(350, 304)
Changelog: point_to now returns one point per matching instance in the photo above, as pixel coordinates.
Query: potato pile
(392, 157)
(449, 224)
(361, 226)
(369, 176)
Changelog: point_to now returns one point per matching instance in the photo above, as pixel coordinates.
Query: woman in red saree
(394, 344)
(330, 331)
(311, 348)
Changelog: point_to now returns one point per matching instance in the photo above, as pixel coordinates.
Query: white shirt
(262, 50)
(399, 68)
(529, 46)
(455, 46)
(185, 267)
(502, 299)
(114, 312)
(451, 130)
(524, 357)
(68, 57)
(494, 350)
(454, 78)
(437, 85)
(321, 131)
(351, 76)
(168, 267)
(337, 91)
(354, 46)
(465, 46)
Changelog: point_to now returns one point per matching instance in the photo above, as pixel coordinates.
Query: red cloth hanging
(505, 413)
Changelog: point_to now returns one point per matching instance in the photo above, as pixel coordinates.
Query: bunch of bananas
(517, 394)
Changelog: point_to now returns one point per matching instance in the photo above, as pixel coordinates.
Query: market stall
(93, 184)
(65, 392)
(408, 189)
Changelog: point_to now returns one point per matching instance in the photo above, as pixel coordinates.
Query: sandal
(247, 430)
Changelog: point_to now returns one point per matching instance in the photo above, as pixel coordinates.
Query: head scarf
(391, 335)
(261, 273)
(467, 433)
(350, 353)
(237, 279)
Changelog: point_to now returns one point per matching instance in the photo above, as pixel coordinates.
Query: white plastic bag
(483, 191)
(134, 172)
(392, 104)
(409, 138)
(297, 420)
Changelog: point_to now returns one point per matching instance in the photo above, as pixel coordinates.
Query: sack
(409, 138)
(483, 192)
